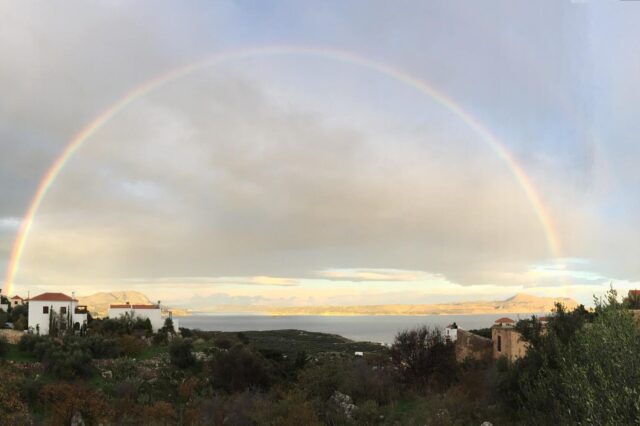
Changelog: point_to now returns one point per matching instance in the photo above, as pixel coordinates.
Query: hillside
(98, 303)
(520, 303)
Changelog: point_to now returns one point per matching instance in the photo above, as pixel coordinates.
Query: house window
(45, 309)
(499, 343)
(63, 311)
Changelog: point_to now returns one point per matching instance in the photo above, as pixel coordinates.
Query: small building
(55, 310)
(16, 300)
(451, 333)
(151, 312)
(507, 340)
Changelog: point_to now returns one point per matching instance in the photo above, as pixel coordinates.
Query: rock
(344, 403)
(108, 374)
(77, 420)
(486, 424)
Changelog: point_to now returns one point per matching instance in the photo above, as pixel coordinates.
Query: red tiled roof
(134, 306)
(544, 319)
(53, 297)
(634, 292)
(505, 320)
(17, 297)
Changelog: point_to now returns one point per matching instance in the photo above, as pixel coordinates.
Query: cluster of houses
(61, 310)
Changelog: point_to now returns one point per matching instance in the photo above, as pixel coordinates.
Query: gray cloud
(231, 184)
(234, 172)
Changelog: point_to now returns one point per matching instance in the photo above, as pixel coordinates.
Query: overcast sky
(302, 178)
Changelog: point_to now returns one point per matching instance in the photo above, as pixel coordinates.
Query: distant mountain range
(98, 303)
(520, 303)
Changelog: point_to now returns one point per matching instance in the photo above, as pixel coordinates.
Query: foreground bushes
(424, 358)
(4, 347)
(583, 369)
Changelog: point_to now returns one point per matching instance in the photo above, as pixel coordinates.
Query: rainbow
(329, 53)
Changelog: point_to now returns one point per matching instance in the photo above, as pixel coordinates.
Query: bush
(240, 368)
(65, 399)
(180, 353)
(130, 346)
(574, 374)
(168, 326)
(68, 363)
(124, 368)
(186, 333)
(100, 347)
(28, 343)
(161, 413)
(19, 316)
(423, 357)
(4, 347)
(483, 332)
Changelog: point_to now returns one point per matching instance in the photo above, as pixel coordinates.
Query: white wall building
(152, 312)
(55, 308)
(16, 300)
(451, 333)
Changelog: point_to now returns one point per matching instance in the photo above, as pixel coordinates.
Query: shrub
(28, 342)
(100, 347)
(63, 400)
(186, 333)
(124, 368)
(130, 346)
(424, 358)
(574, 374)
(160, 413)
(168, 326)
(180, 353)
(68, 363)
(240, 368)
(4, 347)
(223, 343)
(484, 332)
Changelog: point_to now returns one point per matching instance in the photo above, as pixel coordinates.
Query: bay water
(371, 328)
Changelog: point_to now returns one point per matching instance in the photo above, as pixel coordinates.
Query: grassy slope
(293, 341)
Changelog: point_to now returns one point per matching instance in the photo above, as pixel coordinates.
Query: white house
(55, 310)
(16, 300)
(152, 312)
(451, 333)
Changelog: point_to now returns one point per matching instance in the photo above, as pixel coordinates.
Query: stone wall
(469, 345)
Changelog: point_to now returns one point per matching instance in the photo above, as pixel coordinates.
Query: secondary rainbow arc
(340, 55)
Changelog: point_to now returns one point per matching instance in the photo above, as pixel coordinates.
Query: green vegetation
(483, 332)
(581, 368)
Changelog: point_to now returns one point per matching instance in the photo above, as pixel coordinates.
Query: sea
(369, 328)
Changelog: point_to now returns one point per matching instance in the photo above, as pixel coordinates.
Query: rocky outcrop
(344, 404)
